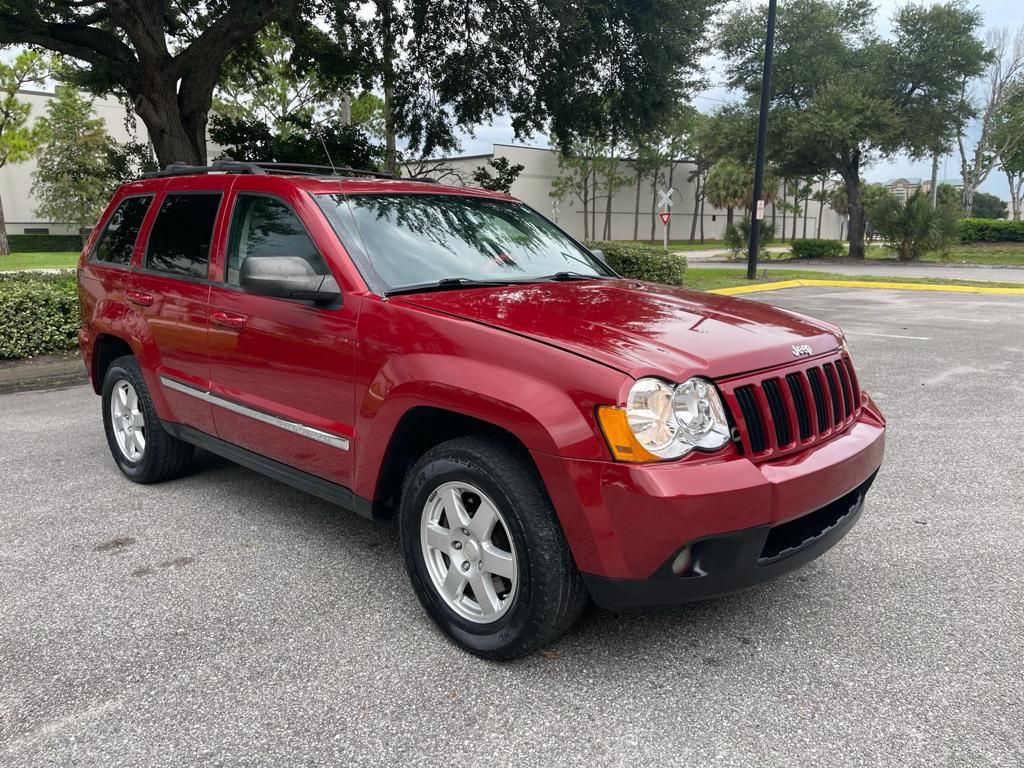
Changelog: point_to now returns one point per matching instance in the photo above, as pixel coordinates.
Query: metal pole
(664, 228)
(762, 141)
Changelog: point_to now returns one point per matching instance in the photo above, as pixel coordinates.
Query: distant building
(903, 188)
(535, 183)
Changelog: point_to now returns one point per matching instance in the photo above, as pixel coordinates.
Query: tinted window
(118, 239)
(264, 226)
(420, 239)
(180, 240)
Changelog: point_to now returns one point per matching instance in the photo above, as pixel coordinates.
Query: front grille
(793, 408)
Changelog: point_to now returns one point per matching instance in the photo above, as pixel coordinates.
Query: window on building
(118, 240)
(266, 226)
(37, 230)
(180, 241)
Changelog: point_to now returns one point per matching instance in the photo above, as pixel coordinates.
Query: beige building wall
(535, 183)
(16, 179)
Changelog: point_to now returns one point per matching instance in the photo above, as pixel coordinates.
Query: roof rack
(227, 165)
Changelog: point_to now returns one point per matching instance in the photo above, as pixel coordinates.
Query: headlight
(662, 421)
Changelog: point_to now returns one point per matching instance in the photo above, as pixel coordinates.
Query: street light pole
(762, 141)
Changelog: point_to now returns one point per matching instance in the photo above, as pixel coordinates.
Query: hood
(641, 329)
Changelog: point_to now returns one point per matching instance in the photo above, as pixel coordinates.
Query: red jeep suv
(545, 429)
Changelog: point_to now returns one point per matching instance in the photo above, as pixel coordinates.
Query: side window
(264, 226)
(118, 239)
(180, 240)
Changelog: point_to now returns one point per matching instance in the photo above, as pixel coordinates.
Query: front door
(281, 370)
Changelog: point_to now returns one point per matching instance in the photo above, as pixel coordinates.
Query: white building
(541, 168)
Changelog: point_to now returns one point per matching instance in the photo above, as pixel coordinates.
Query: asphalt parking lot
(225, 619)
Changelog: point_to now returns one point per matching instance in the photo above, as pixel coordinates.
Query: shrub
(991, 231)
(737, 237)
(913, 228)
(44, 243)
(643, 262)
(38, 313)
(818, 249)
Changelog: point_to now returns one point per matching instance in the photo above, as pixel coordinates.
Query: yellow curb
(948, 288)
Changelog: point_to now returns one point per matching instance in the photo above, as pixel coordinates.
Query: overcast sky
(997, 13)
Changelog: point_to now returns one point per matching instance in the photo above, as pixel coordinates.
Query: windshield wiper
(573, 276)
(446, 284)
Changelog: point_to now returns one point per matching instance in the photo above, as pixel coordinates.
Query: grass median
(45, 260)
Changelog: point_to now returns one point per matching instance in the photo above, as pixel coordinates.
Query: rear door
(170, 290)
(281, 370)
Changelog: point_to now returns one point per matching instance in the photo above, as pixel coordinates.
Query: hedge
(44, 243)
(818, 249)
(38, 313)
(991, 231)
(643, 262)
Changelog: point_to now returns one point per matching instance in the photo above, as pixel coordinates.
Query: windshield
(416, 239)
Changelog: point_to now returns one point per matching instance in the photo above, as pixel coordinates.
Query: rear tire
(142, 449)
(507, 542)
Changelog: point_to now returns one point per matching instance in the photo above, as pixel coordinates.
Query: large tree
(165, 58)
(843, 97)
(73, 179)
(18, 139)
(1008, 135)
(1005, 70)
(574, 69)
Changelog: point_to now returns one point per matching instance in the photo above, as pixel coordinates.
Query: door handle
(227, 320)
(141, 298)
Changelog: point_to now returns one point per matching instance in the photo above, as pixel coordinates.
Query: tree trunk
(935, 181)
(636, 215)
(696, 204)
(796, 211)
(807, 199)
(586, 207)
(856, 227)
(703, 198)
(177, 137)
(728, 219)
(785, 209)
(608, 203)
(821, 208)
(5, 245)
(654, 204)
(593, 205)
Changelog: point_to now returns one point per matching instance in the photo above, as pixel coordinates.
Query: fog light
(682, 562)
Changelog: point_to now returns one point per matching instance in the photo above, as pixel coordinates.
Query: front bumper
(738, 560)
(625, 523)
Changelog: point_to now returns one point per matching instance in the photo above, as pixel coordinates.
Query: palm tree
(728, 186)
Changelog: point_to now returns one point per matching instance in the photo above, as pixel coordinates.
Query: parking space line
(885, 335)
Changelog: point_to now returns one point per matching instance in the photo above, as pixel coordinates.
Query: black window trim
(144, 268)
(96, 246)
(223, 281)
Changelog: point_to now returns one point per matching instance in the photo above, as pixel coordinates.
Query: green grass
(711, 278)
(56, 260)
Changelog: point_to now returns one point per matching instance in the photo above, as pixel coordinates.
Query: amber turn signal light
(621, 441)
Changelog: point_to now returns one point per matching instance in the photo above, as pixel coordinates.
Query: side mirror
(598, 254)
(287, 277)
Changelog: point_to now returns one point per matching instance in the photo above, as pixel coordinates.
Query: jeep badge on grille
(802, 350)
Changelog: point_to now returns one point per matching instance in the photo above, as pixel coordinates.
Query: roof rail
(227, 165)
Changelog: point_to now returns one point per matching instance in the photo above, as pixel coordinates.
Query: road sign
(760, 209)
(665, 197)
(665, 216)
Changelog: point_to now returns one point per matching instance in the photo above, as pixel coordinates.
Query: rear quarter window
(117, 242)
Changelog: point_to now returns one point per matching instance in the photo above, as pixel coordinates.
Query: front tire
(484, 550)
(142, 449)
